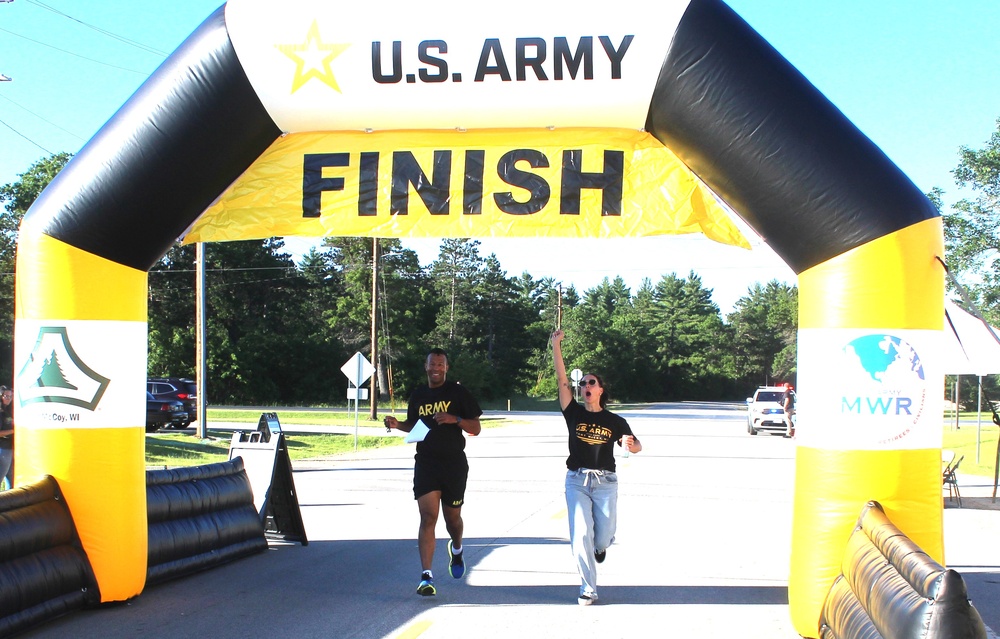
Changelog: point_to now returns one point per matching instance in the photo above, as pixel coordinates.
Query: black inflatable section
(768, 142)
(891, 589)
(44, 572)
(200, 517)
(189, 131)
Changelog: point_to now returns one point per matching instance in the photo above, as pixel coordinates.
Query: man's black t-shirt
(592, 437)
(452, 398)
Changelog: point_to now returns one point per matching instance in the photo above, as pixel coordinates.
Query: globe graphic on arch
(886, 358)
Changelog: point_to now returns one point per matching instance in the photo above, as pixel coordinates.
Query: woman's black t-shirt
(592, 437)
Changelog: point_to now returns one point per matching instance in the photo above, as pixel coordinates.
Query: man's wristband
(458, 422)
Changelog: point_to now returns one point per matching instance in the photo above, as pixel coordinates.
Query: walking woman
(591, 480)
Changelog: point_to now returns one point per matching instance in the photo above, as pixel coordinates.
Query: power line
(26, 137)
(114, 36)
(225, 269)
(100, 30)
(113, 66)
(42, 119)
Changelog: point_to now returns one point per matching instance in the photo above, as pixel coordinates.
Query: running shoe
(426, 587)
(599, 555)
(456, 567)
(586, 599)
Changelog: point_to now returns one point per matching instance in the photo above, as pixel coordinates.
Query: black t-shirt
(592, 437)
(452, 398)
(7, 423)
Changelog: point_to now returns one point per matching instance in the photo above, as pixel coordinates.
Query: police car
(766, 411)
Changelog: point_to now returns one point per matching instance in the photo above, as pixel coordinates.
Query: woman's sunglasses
(588, 382)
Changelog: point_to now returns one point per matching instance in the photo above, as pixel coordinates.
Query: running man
(440, 469)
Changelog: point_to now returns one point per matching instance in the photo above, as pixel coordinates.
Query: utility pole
(199, 340)
(373, 392)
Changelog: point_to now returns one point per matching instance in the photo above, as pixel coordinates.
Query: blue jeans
(592, 506)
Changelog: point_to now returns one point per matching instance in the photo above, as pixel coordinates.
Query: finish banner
(492, 183)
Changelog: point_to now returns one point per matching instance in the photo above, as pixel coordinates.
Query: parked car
(766, 411)
(181, 388)
(164, 412)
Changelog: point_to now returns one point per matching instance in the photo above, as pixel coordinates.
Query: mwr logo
(54, 373)
(884, 384)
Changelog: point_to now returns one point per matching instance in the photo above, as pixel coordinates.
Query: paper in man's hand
(417, 433)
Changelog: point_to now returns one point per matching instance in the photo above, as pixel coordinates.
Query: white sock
(428, 573)
(456, 550)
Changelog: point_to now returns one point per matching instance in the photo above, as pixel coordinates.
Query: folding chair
(950, 480)
(947, 456)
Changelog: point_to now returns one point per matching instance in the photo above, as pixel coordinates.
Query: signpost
(576, 375)
(357, 369)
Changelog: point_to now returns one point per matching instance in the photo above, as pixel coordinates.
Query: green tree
(456, 272)
(972, 228)
(487, 321)
(17, 198)
(594, 341)
(261, 346)
(549, 301)
(322, 287)
(509, 331)
(783, 318)
(637, 323)
(404, 310)
(171, 309)
(350, 321)
(689, 337)
(764, 325)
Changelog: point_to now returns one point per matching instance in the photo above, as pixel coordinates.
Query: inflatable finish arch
(690, 74)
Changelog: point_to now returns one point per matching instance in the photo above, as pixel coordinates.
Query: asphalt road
(701, 550)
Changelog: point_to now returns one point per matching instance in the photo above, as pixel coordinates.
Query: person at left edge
(7, 436)
(440, 469)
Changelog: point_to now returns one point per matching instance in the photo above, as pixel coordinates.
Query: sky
(918, 77)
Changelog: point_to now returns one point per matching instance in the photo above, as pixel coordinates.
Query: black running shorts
(447, 474)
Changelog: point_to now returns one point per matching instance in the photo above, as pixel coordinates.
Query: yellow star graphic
(312, 59)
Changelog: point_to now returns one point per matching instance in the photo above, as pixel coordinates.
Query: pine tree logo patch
(54, 373)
